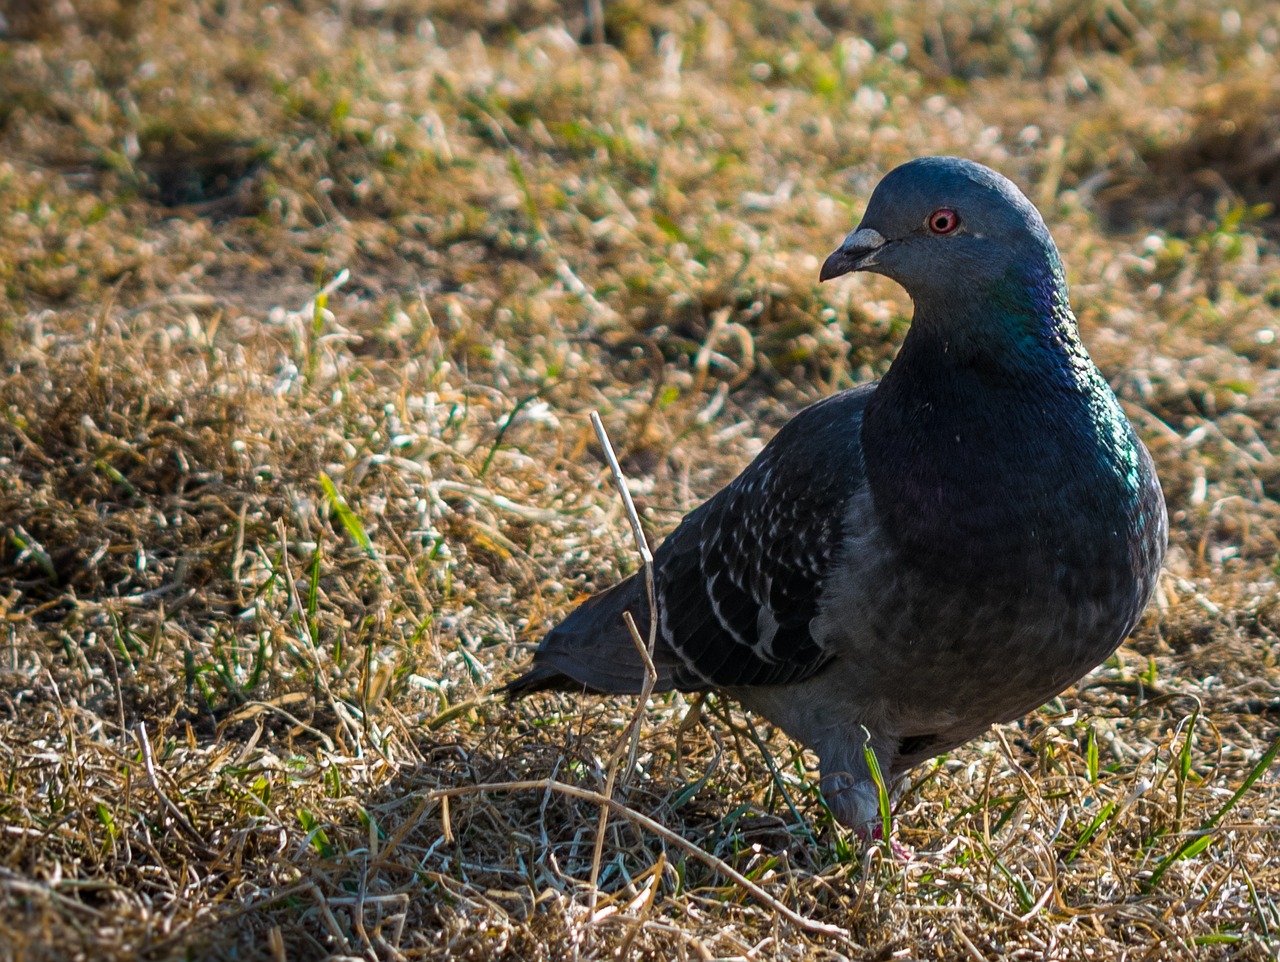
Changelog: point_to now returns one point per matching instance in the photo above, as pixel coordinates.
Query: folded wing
(739, 580)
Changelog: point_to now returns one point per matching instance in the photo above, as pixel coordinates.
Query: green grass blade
(882, 787)
(345, 515)
(1198, 842)
(313, 595)
(1103, 814)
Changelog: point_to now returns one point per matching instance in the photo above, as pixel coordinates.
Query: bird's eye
(943, 221)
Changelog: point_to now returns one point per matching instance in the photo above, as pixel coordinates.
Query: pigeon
(913, 560)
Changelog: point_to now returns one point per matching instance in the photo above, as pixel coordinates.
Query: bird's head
(944, 226)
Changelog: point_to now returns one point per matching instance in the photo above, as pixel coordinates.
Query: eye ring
(943, 221)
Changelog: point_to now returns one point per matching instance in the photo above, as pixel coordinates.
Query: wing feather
(740, 580)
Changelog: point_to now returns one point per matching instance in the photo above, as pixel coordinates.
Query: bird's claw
(874, 832)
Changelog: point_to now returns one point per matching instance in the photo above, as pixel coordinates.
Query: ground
(304, 307)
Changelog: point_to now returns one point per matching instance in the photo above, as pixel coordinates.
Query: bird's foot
(874, 832)
(856, 804)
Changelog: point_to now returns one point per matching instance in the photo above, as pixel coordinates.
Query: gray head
(944, 226)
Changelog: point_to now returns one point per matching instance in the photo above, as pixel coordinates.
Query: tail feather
(540, 678)
(592, 650)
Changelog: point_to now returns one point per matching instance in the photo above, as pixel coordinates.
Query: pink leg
(874, 832)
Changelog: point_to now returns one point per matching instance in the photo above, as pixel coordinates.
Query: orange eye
(943, 221)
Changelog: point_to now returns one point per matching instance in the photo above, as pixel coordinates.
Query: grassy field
(303, 310)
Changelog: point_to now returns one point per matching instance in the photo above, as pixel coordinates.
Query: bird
(915, 559)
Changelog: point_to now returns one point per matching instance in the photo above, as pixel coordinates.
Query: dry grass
(303, 307)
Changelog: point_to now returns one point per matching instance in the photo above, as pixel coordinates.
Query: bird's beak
(857, 253)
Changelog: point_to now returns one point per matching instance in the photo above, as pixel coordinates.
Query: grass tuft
(303, 311)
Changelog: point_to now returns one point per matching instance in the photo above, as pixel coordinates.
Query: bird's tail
(592, 650)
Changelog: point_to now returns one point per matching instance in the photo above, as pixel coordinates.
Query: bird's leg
(857, 806)
(853, 795)
(853, 800)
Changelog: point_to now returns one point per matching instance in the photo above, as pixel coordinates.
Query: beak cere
(855, 254)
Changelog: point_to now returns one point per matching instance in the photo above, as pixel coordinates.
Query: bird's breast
(999, 568)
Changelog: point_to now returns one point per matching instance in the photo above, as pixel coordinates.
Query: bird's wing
(740, 580)
(737, 583)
